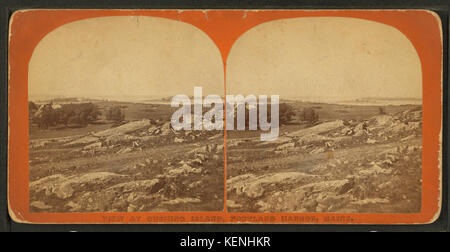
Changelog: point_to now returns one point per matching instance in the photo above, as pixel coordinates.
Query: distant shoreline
(166, 101)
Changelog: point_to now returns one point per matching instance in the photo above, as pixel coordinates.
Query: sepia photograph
(101, 139)
(211, 116)
(350, 119)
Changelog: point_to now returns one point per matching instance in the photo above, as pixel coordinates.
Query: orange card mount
(354, 139)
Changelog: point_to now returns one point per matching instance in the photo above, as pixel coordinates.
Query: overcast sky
(125, 56)
(301, 57)
(324, 57)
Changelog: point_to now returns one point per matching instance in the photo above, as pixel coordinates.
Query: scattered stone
(233, 204)
(286, 146)
(125, 150)
(120, 204)
(131, 208)
(120, 139)
(310, 205)
(374, 170)
(83, 141)
(166, 129)
(196, 161)
(220, 135)
(64, 187)
(73, 207)
(39, 143)
(337, 186)
(408, 138)
(219, 148)
(178, 140)
(217, 157)
(95, 145)
(382, 120)
(318, 150)
(318, 129)
(148, 186)
(40, 205)
(182, 201)
(183, 170)
(346, 130)
(124, 129)
(253, 186)
(370, 201)
(371, 141)
(65, 191)
(385, 185)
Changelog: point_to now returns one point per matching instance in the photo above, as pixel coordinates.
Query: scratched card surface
(225, 116)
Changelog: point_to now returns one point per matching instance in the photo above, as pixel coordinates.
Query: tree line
(71, 114)
(82, 114)
(286, 115)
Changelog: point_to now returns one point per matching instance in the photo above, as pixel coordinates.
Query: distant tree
(79, 113)
(115, 114)
(64, 114)
(286, 113)
(45, 116)
(32, 106)
(88, 112)
(309, 115)
(74, 120)
(381, 111)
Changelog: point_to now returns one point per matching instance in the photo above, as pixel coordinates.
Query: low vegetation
(73, 114)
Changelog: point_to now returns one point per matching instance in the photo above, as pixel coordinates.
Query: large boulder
(375, 169)
(148, 186)
(93, 146)
(124, 129)
(166, 129)
(83, 141)
(279, 140)
(183, 170)
(313, 139)
(64, 187)
(253, 186)
(412, 115)
(286, 146)
(181, 201)
(116, 139)
(318, 129)
(40, 205)
(381, 120)
(336, 186)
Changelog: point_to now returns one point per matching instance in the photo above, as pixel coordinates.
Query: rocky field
(370, 165)
(138, 166)
(363, 162)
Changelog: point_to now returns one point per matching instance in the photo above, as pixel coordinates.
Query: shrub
(82, 114)
(32, 106)
(286, 113)
(115, 114)
(309, 115)
(381, 111)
